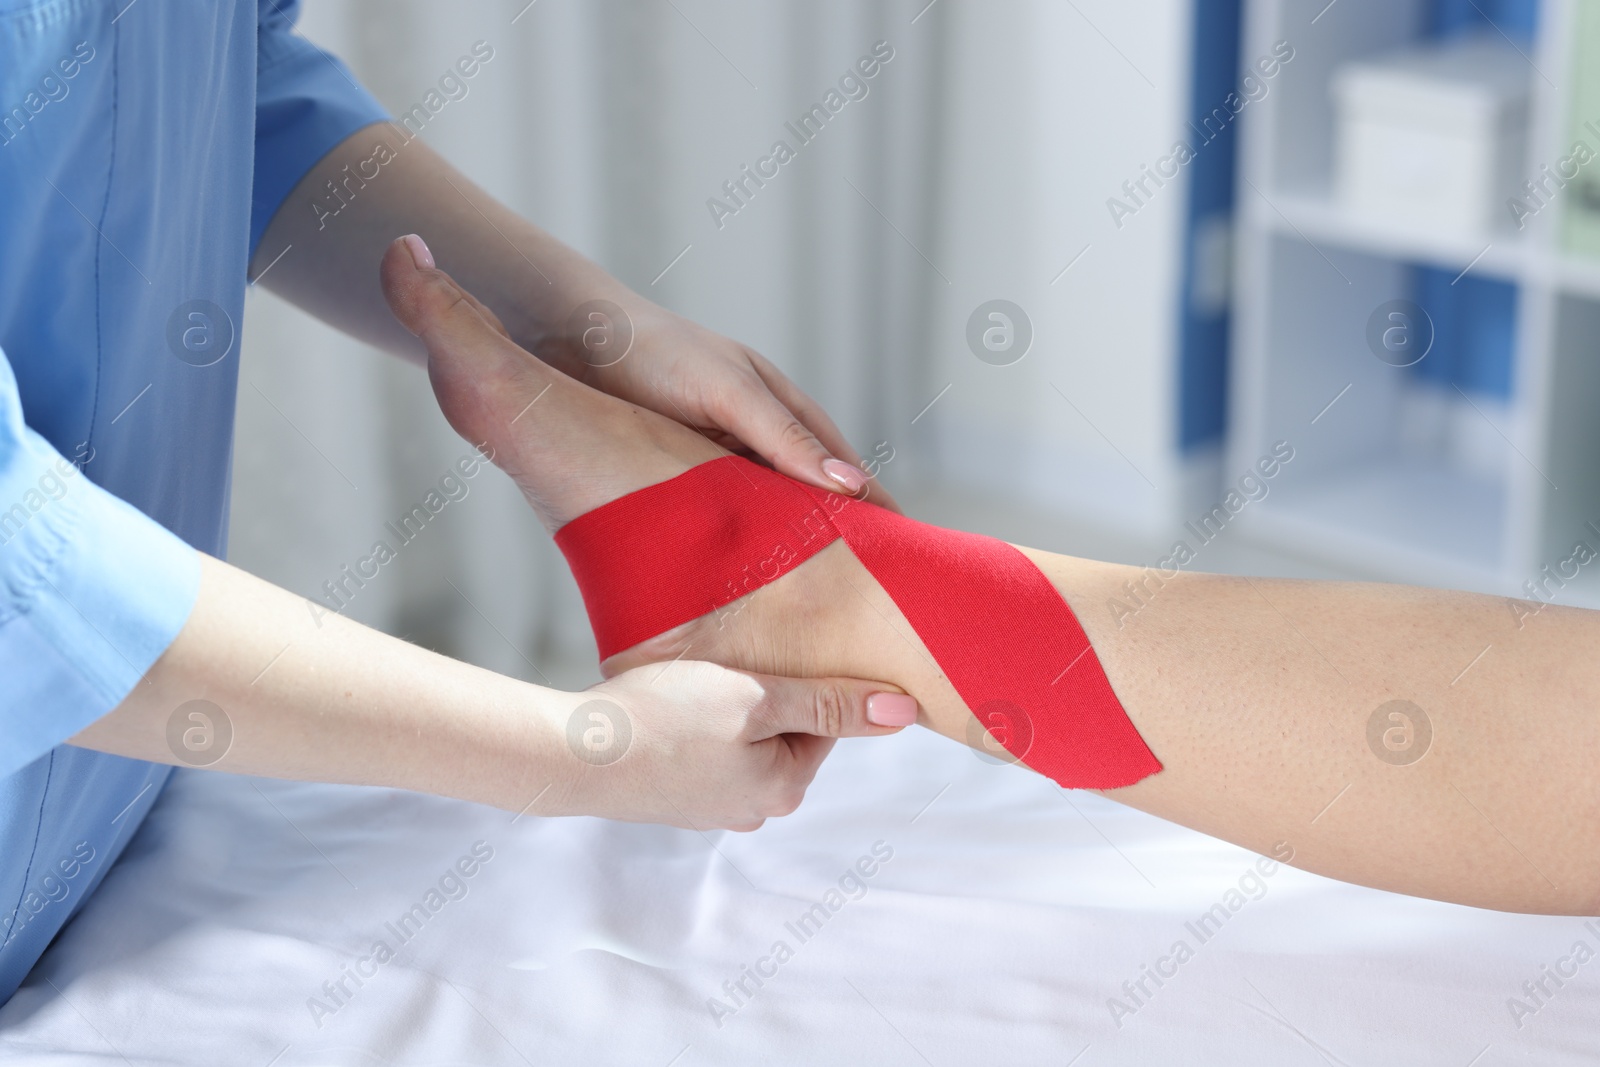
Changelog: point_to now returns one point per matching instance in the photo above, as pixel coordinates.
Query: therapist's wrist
(526, 762)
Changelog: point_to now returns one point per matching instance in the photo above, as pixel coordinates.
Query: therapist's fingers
(752, 401)
(777, 419)
(829, 708)
(801, 718)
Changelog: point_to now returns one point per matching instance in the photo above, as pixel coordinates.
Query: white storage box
(1432, 138)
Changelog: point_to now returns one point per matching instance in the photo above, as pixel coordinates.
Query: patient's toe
(479, 376)
(578, 449)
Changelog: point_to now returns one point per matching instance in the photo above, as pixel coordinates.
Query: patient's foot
(568, 447)
(571, 449)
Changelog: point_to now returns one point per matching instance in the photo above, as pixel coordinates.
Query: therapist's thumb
(832, 707)
(428, 302)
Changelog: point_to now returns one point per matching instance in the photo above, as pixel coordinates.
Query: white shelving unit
(1308, 275)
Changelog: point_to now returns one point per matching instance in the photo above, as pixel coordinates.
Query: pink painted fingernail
(840, 471)
(891, 709)
(420, 255)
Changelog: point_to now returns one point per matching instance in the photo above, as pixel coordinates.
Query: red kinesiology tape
(1002, 634)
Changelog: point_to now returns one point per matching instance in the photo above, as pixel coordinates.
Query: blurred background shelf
(1579, 276)
(1317, 217)
(1476, 466)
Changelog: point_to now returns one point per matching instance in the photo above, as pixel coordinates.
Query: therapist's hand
(726, 390)
(699, 746)
(262, 682)
(546, 295)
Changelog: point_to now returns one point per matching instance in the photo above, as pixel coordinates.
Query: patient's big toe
(427, 301)
(480, 377)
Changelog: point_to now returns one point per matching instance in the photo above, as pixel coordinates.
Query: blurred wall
(1050, 108)
(976, 167)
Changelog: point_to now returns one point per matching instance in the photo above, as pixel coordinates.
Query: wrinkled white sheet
(1006, 918)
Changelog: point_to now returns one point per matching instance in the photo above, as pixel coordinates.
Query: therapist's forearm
(328, 261)
(321, 698)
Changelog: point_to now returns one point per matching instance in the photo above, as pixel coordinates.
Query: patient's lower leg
(1259, 696)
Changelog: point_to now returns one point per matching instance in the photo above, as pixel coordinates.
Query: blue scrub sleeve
(92, 591)
(307, 102)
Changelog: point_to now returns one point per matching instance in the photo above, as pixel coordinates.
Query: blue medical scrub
(144, 146)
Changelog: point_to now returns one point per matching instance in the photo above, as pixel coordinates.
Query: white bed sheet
(1007, 917)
